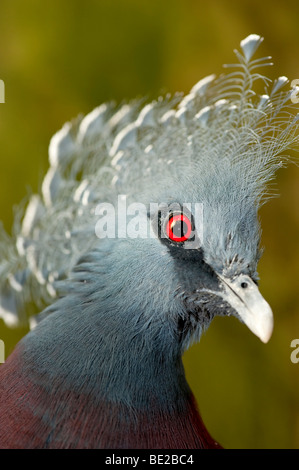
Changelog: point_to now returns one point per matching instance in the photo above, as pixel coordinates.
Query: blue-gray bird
(145, 229)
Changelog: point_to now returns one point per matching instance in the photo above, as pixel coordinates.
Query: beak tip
(266, 339)
(266, 333)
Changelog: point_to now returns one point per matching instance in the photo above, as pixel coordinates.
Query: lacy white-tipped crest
(250, 44)
(220, 145)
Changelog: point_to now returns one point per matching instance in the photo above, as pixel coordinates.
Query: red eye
(178, 228)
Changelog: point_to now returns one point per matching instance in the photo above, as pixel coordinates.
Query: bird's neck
(166, 417)
(119, 367)
(123, 390)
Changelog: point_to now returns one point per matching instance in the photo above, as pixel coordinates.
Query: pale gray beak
(245, 298)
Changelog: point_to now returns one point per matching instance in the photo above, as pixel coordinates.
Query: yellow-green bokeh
(62, 58)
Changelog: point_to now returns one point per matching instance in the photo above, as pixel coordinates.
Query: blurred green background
(62, 58)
